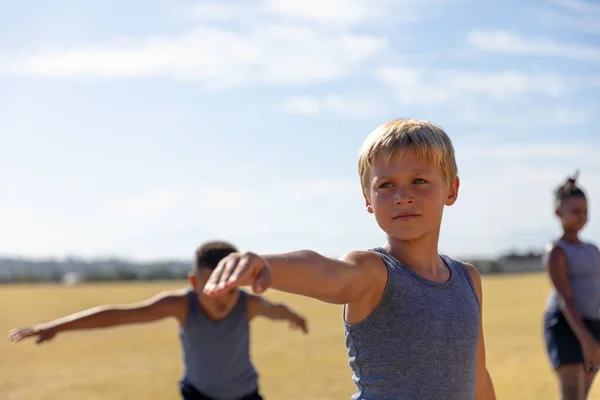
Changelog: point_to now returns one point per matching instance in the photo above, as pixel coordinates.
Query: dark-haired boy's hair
(568, 189)
(209, 254)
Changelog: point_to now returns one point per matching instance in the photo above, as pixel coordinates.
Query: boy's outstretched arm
(259, 306)
(350, 279)
(484, 389)
(163, 305)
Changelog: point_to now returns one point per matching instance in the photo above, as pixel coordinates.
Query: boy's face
(407, 195)
(216, 307)
(573, 213)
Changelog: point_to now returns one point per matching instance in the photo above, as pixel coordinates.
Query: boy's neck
(570, 236)
(420, 254)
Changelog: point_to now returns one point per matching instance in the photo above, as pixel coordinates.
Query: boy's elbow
(485, 388)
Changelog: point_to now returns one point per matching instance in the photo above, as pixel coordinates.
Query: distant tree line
(16, 270)
(30, 271)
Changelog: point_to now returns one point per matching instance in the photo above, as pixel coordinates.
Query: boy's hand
(43, 334)
(297, 321)
(239, 269)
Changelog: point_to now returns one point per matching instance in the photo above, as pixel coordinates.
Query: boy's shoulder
(177, 301)
(361, 257)
(474, 274)
(175, 294)
(368, 261)
(177, 298)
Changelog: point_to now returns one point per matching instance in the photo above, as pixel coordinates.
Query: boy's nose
(403, 196)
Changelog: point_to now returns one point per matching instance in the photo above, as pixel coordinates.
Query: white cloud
(424, 87)
(271, 54)
(269, 42)
(263, 42)
(502, 41)
(580, 22)
(583, 16)
(333, 14)
(587, 7)
(332, 104)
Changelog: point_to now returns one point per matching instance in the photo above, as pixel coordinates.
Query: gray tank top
(216, 354)
(583, 271)
(420, 343)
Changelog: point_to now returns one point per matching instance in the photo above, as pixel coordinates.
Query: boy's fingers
(263, 281)
(22, 334)
(242, 269)
(213, 279)
(212, 284)
(229, 267)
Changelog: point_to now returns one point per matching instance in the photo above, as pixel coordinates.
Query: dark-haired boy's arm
(259, 306)
(484, 387)
(163, 305)
(352, 278)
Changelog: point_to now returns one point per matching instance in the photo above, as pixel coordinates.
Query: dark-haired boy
(214, 331)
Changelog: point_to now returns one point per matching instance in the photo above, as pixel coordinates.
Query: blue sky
(141, 129)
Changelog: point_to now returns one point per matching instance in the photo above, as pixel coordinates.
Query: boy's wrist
(49, 326)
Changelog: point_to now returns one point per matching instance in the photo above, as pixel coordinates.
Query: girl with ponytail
(572, 315)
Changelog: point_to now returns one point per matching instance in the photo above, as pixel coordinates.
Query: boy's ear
(453, 191)
(367, 202)
(193, 280)
(557, 211)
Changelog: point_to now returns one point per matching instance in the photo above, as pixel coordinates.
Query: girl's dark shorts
(561, 343)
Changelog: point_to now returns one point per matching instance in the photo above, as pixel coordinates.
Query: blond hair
(394, 138)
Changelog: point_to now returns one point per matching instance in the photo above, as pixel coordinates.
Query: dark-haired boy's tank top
(216, 354)
(583, 273)
(420, 343)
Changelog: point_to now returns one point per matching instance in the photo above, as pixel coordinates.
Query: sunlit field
(143, 362)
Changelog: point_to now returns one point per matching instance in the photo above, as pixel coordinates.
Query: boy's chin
(405, 236)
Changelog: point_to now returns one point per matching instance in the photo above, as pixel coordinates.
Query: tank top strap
(193, 304)
(460, 270)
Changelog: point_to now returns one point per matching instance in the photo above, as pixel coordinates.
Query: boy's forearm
(488, 392)
(97, 317)
(307, 273)
(278, 312)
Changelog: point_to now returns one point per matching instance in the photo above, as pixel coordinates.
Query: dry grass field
(143, 362)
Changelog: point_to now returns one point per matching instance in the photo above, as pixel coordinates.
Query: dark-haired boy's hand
(297, 322)
(239, 269)
(42, 334)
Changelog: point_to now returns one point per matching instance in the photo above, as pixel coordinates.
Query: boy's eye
(419, 181)
(385, 185)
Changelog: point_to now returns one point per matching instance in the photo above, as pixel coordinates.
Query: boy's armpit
(368, 290)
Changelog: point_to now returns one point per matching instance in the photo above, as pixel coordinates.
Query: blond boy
(412, 317)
